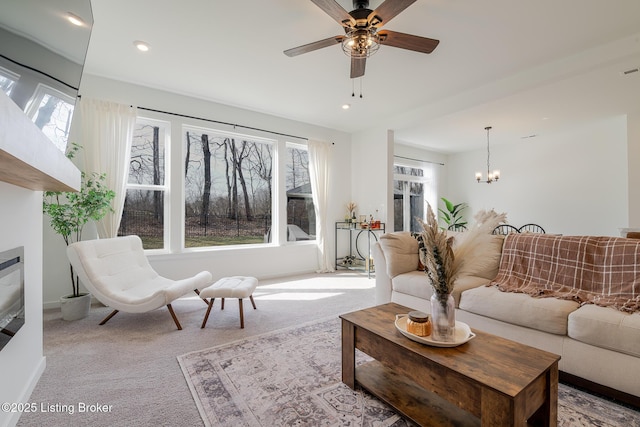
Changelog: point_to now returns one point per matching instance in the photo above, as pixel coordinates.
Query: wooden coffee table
(488, 381)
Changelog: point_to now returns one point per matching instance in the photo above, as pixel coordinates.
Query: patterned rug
(293, 377)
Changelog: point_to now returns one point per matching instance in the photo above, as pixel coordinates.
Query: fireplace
(11, 293)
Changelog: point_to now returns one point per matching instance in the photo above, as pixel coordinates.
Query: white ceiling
(523, 67)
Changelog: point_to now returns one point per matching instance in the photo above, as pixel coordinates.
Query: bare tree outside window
(143, 213)
(228, 189)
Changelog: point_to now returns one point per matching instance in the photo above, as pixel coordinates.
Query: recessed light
(346, 106)
(75, 19)
(141, 46)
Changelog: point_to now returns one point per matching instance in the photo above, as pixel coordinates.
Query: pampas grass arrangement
(470, 250)
(436, 254)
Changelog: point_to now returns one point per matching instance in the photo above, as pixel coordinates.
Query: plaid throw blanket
(590, 270)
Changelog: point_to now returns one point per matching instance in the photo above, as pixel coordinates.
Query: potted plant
(453, 215)
(69, 212)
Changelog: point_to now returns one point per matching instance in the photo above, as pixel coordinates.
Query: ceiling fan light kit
(362, 38)
(491, 176)
(361, 43)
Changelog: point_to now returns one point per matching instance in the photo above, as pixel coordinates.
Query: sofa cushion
(544, 314)
(606, 327)
(401, 252)
(416, 283)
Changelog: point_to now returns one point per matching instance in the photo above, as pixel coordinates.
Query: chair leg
(175, 319)
(222, 306)
(106, 319)
(252, 301)
(206, 316)
(241, 314)
(203, 299)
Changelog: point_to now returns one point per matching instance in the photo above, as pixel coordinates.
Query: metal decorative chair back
(505, 229)
(531, 228)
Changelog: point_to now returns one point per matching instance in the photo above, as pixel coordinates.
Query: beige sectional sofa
(547, 306)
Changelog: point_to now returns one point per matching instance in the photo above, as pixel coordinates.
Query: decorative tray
(462, 335)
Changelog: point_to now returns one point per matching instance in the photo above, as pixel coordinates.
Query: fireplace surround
(11, 293)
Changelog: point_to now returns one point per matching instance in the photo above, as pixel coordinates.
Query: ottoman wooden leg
(206, 316)
(222, 306)
(241, 313)
(252, 301)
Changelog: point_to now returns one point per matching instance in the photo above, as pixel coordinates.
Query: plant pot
(75, 308)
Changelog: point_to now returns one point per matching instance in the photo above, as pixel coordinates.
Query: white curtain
(106, 131)
(319, 175)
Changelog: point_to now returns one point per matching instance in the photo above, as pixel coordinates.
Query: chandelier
(491, 176)
(361, 42)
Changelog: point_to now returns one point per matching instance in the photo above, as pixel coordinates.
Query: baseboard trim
(30, 386)
(601, 390)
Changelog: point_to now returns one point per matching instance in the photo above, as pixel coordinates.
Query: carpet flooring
(292, 377)
(130, 364)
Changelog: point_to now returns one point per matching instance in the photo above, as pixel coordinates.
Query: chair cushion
(544, 314)
(231, 287)
(606, 327)
(118, 274)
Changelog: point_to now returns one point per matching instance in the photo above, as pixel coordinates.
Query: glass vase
(443, 317)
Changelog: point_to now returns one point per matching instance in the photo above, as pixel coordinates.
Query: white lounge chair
(117, 272)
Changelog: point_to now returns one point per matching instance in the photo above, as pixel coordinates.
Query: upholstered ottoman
(230, 287)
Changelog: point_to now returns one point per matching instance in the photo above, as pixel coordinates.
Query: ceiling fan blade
(387, 11)
(334, 10)
(407, 41)
(357, 67)
(295, 51)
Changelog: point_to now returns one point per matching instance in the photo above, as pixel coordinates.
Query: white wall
(573, 183)
(371, 153)
(21, 360)
(261, 262)
(633, 162)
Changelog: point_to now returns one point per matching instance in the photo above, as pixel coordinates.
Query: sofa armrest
(383, 281)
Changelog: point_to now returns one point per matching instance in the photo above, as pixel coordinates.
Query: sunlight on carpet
(295, 296)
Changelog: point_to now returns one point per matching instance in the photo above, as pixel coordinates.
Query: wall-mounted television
(43, 45)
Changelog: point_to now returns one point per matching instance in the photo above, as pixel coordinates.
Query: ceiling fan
(362, 38)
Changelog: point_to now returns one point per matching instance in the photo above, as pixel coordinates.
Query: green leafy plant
(453, 215)
(69, 212)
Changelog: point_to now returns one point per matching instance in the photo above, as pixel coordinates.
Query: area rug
(293, 377)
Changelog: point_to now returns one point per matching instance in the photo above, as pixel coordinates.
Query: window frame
(305, 147)
(427, 182)
(165, 188)
(276, 191)
(33, 106)
(11, 76)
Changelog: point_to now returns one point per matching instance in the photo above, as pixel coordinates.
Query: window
(144, 206)
(301, 215)
(228, 188)
(8, 80)
(409, 187)
(51, 111)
